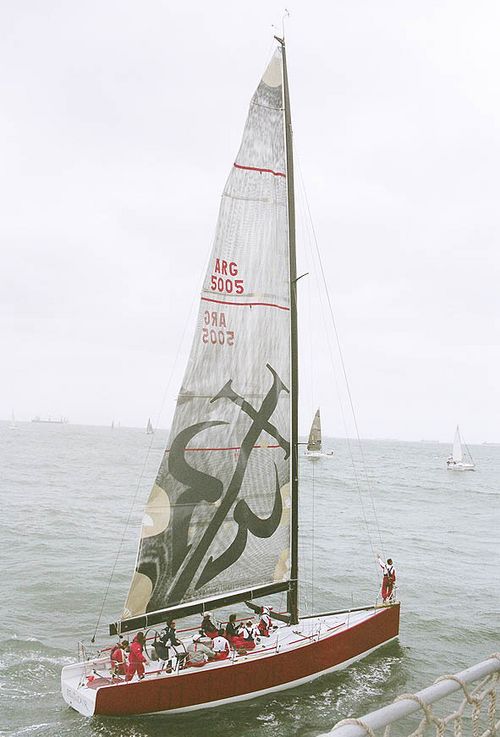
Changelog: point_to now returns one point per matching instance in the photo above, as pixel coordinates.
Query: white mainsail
(217, 519)
(457, 447)
(314, 441)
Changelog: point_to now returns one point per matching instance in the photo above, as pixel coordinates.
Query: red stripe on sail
(238, 447)
(257, 168)
(245, 304)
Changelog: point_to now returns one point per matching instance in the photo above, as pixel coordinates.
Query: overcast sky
(119, 123)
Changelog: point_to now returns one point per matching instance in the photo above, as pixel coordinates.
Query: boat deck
(282, 637)
(82, 681)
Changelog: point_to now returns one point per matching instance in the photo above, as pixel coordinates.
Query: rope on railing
(487, 678)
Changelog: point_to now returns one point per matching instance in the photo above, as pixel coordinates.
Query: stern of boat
(75, 681)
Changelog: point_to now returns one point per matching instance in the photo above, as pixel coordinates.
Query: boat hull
(461, 467)
(316, 455)
(246, 677)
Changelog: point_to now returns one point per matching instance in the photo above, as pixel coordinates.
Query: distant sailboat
(149, 427)
(13, 424)
(456, 460)
(313, 451)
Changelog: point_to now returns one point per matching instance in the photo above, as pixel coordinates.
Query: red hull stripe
(246, 304)
(233, 680)
(265, 171)
(236, 447)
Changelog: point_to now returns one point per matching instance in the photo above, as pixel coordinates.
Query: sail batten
(218, 517)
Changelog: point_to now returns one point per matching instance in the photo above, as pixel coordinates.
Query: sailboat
(149, 427)
(455, 461)
(221, 523)
(13, 423)
(314, 443)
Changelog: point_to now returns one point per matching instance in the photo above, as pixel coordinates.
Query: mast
(293, 594)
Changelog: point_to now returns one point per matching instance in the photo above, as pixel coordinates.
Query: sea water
(71, 503)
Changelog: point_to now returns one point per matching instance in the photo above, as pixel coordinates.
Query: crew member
(388, 579)
(136, 658)
(198, 653)
(232, 633)
(119, 658)
(248, 633)
(167, 638)
(208, 625)
(265, 621)
(221, 646)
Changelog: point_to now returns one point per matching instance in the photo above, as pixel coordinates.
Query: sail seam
(267, 107)
(259, 169)
(246, 304)
(264, 200)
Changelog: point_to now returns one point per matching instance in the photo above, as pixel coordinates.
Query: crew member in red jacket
(388, 579)
(136, 658)
(118, 658)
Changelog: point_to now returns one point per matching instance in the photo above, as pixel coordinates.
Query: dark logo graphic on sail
(203, 487)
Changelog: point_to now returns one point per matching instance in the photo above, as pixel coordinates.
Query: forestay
(217, 519)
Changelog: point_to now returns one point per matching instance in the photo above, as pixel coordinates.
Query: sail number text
(214, 330)
(222, 279)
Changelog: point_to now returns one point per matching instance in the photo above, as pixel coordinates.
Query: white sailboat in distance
(455, 461)
(221, 523)
(149, 427)
(314, 444)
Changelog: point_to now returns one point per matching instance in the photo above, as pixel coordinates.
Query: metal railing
(476, 710)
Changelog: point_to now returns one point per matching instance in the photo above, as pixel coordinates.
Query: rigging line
(310, 313)
(354, 462)
(364, 521)
(313, 541)
(351, 403)
(312, 384)
(468, 451)
(341, 356)
(313, 268)
(327, 334)
(337, 388)
(148, 449)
